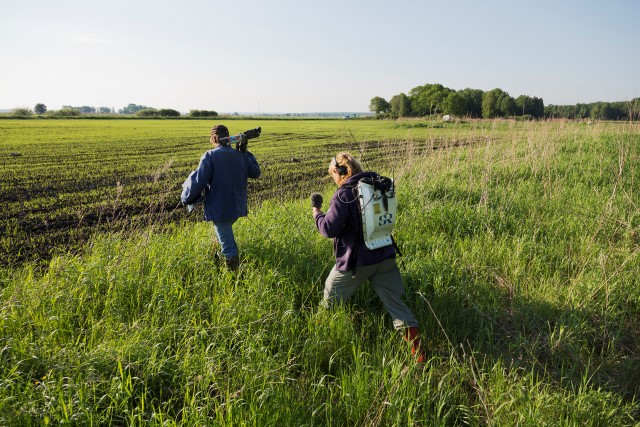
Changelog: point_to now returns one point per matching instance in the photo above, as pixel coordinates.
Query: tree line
(436, 99)
(131, 109)
(628, 110)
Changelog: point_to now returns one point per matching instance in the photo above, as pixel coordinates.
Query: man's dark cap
(220, 130)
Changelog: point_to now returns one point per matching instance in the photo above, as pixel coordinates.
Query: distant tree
(582, 111)
(22, 111)
(378, 105)
(203, 113)
(595, 110)
(497, 103)
(85, 109)
(105, 110)
(419, 101)
(455, 105)
(634, 109)
(615, 111)
(550, 111)
(507, 105)
(561, 111)
(40, 109)
(146, 112)
(168, 112)
(537, 109)
(400, 106)
(618, 111)
(131, 109)
(490, 104)
(526, 105)
(523, 105)
(598, 111)
(473, 99)
(67, 111)
(428, 99)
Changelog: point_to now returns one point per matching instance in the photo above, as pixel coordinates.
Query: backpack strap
(351, 262)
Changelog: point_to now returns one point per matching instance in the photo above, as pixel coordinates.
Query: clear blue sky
(275, 56)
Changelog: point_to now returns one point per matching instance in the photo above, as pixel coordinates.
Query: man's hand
(242, 145)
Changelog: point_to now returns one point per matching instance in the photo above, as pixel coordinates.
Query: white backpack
(378, 207)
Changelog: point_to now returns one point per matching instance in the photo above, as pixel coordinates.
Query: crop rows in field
(64, 180)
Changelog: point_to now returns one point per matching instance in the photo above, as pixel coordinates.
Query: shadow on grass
(567, 346)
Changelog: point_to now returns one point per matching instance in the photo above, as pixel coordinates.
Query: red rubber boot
(413, 336)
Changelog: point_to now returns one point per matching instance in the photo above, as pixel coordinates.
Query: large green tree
(455, 105)
(497, 103)
(523, 105)
(537, 109)
(378, 105)
(473, 99)
(490, 104)
(507, 105)
(400, 106)
(40, 108)
(526, 105)
(168, 112)
(428, 99)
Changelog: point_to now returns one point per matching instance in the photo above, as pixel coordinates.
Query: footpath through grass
(520, 259)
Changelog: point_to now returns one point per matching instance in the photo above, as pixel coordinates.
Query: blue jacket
(343, 223)
(222, 175)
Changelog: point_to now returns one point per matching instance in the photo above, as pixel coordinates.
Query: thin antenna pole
(356, 142)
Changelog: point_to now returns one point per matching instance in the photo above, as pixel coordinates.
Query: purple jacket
(342, 222)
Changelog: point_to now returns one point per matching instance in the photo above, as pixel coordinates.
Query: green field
(521, 259)
(63, 180)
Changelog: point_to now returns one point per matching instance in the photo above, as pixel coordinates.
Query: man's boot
(412, 335)
(233, 263)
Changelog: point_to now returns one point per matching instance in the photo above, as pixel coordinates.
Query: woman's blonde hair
(347, 163)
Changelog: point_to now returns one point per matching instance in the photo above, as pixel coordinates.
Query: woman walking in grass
(355, 263)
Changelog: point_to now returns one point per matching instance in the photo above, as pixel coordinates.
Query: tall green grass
(520, 259)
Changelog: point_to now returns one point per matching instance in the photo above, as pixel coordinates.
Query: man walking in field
(222, 176)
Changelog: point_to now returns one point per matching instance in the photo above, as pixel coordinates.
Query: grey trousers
(385, 280)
